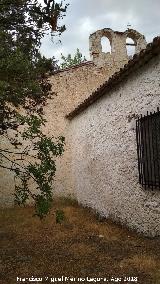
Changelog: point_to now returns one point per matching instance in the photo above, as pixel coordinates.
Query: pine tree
(68, 61)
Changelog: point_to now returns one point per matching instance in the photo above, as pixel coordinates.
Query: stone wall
(118, 56)
(6, 180)
(104, 155)
(70, 87)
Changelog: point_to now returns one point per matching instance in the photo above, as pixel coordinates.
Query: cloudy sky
(86, 16)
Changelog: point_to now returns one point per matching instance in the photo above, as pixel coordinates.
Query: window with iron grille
(148, 149)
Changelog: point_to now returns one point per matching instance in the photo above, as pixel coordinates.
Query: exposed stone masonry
(118, 56)
(71, 87)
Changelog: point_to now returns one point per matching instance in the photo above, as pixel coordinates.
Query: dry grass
(143, 262)
(81, 246)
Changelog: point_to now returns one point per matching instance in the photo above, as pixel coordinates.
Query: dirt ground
(83, 247)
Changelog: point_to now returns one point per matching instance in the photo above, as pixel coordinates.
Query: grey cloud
(85, 17)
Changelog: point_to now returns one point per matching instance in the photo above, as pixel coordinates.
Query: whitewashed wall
(104, 155)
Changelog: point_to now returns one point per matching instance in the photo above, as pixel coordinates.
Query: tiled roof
(135, 63)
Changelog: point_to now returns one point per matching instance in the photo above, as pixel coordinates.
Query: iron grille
(148, 149)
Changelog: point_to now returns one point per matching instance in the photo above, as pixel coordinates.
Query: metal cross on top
(128, 26)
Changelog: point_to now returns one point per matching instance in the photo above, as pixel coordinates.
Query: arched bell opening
(131, 47)
(106, 45)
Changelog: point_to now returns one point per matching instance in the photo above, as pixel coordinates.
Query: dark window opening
(148, 149)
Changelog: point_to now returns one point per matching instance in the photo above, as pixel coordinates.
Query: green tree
(68, 61)
(24, 86)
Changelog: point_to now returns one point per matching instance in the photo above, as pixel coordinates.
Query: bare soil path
(82, 246)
